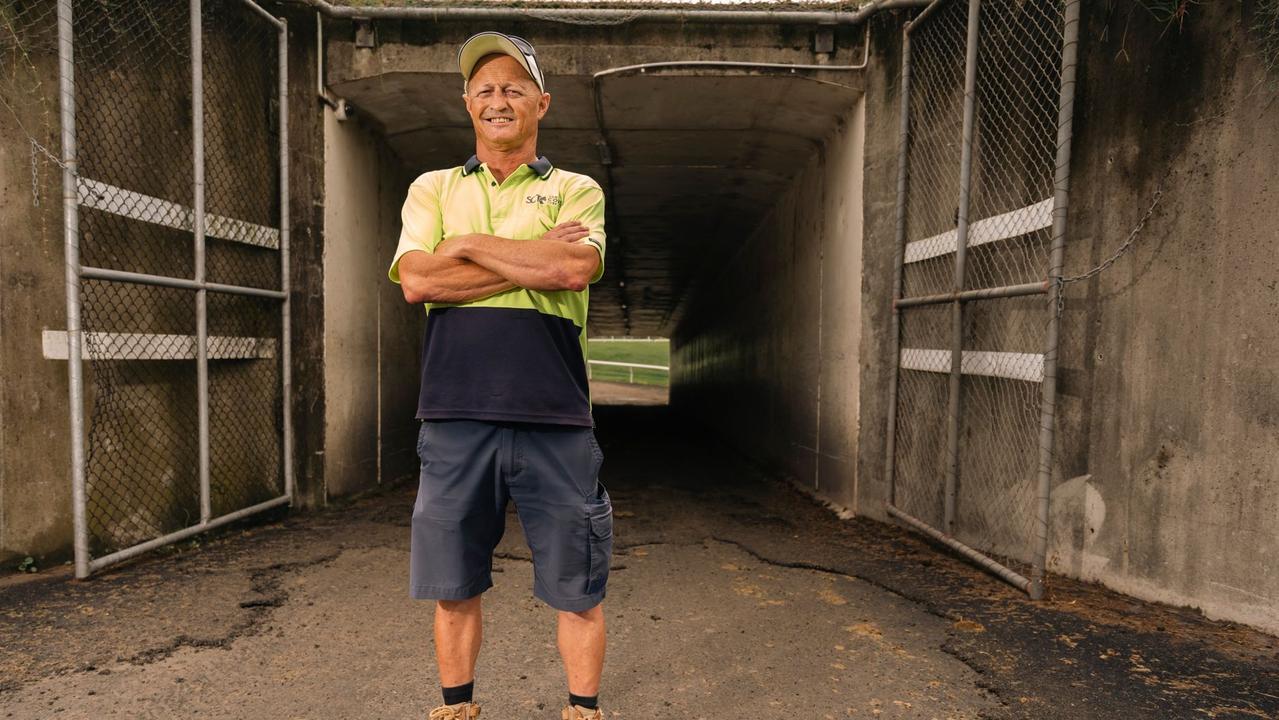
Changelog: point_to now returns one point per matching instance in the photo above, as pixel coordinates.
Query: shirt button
(493, 183)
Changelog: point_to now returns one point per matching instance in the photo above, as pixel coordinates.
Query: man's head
(504, 91)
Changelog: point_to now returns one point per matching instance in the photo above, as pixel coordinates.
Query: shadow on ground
(732, 596)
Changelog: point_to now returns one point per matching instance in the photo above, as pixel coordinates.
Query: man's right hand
(570, 231)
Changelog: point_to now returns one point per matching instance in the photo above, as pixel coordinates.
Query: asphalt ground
(732, 596)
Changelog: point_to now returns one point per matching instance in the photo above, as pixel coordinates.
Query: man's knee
(469, 605)
(592, 615)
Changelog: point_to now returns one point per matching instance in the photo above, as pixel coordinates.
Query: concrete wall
(35, 496)
(1173, 351)
(767, 353)
(1168, 455)
(370, 381)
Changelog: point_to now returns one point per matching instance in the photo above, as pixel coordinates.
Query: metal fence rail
(175, 193)
(987, 100)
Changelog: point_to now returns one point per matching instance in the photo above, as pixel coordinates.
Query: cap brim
(483, 44)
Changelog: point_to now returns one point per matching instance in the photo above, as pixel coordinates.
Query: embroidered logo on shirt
(543, 199)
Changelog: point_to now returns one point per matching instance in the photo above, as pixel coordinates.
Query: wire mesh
(241, 143)
(133, 127)
(936, 143)
(1015, 141)
(922, 398)
(1018, 84)
(999, 453)
(134, 90)
(244, 403)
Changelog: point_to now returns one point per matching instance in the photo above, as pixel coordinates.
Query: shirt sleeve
(585, 204)
(423, 225)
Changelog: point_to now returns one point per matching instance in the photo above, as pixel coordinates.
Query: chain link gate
(987, 97)
(175, 191)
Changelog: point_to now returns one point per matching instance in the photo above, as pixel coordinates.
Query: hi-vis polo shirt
(519, 355)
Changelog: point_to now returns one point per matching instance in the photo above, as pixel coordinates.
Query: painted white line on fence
(148, 346)
(992, 229)
(1011, 365)
(136, 206)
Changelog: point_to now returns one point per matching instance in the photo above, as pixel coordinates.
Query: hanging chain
(1062, 281)
(36, 150)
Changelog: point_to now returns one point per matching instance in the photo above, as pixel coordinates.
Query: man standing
(501, 249)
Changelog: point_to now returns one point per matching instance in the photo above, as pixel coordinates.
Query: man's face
(504, 103)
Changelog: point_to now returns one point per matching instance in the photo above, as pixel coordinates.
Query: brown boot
(577, 712)
(460, 711)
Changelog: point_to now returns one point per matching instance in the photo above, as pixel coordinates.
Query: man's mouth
(499, 120)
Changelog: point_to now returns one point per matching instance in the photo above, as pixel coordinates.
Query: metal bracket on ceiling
(824, 39)
(365, 33)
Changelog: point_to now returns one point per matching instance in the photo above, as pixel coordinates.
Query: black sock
(590, 703)
(459, 694)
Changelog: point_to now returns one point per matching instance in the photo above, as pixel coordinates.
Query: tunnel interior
(731, 159)
(691, 161)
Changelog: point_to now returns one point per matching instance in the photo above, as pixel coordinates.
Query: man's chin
(502, 140)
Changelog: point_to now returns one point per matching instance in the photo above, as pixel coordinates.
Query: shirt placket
(499, 207)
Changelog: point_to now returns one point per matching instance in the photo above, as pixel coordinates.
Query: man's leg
(568, 522)
(457, 520)
(459, 631)
(581, 642)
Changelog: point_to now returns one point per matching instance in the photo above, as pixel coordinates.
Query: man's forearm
(532, 264)
(426, 277)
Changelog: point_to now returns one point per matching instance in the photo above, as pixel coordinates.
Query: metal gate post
(894, 328)
(286, 342)
(961, 252)
(197, 226)
(1061, 199)
(71, 250)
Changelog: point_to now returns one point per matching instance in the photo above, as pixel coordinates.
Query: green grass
(652, 352)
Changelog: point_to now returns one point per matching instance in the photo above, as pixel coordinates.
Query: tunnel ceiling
(697, 160)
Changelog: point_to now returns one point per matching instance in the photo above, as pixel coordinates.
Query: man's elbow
(573, 277)
(576, 276)
(417, 291)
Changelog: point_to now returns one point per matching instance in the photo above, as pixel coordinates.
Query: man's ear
(543, 104)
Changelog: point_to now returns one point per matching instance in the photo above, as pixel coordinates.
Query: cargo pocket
(599, 516)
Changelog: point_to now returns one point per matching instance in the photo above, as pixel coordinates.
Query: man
(501, 250)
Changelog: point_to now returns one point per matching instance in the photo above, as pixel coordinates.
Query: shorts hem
(580, 603)
(450, 592)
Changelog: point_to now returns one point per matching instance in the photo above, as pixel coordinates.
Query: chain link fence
(987, 93)
(167, 123)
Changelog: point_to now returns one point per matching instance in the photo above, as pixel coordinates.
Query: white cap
(490, 42)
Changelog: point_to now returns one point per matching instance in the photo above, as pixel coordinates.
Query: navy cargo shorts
(470, 469)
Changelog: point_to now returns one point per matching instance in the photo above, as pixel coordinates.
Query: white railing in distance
(631, 367)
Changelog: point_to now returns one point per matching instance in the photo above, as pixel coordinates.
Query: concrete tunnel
(752, 219)
(734, 215)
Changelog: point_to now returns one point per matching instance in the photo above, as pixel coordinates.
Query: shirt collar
(541, 166)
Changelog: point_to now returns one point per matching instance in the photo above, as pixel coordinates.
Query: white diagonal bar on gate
(988, 230)
(1010, 365)
(158, 211)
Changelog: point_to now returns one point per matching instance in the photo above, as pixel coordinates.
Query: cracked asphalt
(732, 596)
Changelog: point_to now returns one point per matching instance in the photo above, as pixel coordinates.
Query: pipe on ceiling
(614, 16)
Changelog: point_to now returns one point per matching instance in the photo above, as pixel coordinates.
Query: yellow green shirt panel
(467, 199)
